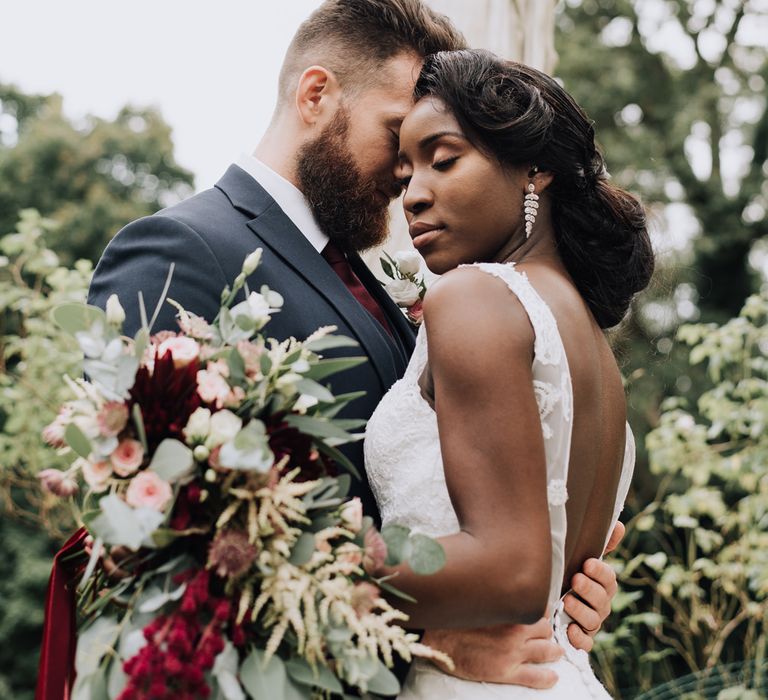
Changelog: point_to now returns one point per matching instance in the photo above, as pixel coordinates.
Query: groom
(314, 193)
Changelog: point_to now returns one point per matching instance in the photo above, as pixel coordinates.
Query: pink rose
(183, 350)
(350, 553)
(251, 354)
(127, 458)
(352, 515)
(112, 418)
(96, 474)
(53, 434)
(148, 490)
(212, 387)
(375, 552)
(416, 312)
(57, 482)
(364, 597)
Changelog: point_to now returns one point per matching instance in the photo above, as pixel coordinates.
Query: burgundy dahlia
(167, 397)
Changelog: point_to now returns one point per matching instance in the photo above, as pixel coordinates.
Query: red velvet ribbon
(56, 672)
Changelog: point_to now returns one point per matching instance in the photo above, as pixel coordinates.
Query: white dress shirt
(288, 197)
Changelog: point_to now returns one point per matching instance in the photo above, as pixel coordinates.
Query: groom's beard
(344, 202)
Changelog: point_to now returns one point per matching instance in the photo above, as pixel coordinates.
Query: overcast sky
(211, 68)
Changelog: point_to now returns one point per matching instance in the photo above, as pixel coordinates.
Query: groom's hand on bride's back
(510, 654)
(594, 588)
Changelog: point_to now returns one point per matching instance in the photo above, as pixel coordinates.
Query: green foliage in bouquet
(694, 577)
(34, 355)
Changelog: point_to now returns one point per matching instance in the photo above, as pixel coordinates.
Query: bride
(512, 404)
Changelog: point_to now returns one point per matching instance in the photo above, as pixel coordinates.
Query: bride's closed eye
(440, 165)
(444, 164)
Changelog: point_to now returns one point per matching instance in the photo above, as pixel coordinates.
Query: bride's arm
(498, 565)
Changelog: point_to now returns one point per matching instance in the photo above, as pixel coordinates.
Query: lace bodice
(402, 446)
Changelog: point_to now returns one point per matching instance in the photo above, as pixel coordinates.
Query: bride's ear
(541, 179)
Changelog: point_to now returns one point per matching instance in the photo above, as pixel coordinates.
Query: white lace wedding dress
(407, 478)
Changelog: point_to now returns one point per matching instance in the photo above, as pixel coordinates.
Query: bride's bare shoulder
(474, 306)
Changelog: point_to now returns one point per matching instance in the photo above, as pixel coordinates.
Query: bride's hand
(595, 587)
(509, 654)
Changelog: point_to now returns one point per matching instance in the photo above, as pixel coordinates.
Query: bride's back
(599, 418)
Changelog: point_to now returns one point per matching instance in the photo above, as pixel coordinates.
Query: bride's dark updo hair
(522, 117)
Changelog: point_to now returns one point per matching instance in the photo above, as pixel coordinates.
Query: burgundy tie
(338, 261)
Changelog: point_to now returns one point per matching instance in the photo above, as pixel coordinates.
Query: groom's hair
(354, 38)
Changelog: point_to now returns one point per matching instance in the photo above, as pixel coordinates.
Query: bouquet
(206, 466)
(407, 286)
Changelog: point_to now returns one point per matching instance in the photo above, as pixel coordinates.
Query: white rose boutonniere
(407, 287)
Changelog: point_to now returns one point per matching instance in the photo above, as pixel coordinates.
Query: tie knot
(333, 254)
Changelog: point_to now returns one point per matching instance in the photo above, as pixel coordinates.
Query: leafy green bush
(34, 356)
(694, 569)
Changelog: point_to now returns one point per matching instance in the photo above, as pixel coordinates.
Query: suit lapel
(282, 237)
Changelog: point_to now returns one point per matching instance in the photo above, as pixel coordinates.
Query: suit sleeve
(138, 260)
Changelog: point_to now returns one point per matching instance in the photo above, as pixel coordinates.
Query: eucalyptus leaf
(325, 368)
(236, 366)
(330, 342)
(172, 461)
(339, 457)
(312, 388)
(396, 538)
(225, 672)
(319, 677)
(316, 427)
(77, 440)
(384, 682)
(303, 549)
(117, 679)
(93, 643)
(74, 318)
(263, 680)
(425, 555)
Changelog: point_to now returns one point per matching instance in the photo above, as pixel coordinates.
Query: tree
(677, 91)
(92, 178)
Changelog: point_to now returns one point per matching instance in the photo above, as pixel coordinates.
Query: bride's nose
(418, 197)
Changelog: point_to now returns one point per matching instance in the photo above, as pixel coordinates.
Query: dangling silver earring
(531, 209)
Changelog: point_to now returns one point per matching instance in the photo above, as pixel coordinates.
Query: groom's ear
(317, 96)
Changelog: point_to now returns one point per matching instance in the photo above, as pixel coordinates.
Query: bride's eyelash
(403, 182)
(445, 164)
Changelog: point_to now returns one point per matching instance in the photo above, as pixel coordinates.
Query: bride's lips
(422, 233)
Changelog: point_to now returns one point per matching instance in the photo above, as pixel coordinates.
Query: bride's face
(461, 205)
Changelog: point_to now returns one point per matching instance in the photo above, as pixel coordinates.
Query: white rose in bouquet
(409, 261)
(225, 425)
(403, 292)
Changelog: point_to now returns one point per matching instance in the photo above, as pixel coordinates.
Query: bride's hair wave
(522, 117)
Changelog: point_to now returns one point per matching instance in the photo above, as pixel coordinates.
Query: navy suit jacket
(207, 237)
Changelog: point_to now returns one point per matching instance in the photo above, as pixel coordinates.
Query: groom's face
(347, 171)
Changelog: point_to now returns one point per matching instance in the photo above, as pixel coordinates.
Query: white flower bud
(408, 262)
(252, 262)
(201, 453)
(210, 476)
(115, 312)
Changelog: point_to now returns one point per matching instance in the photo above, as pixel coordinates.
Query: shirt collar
(288, 197)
